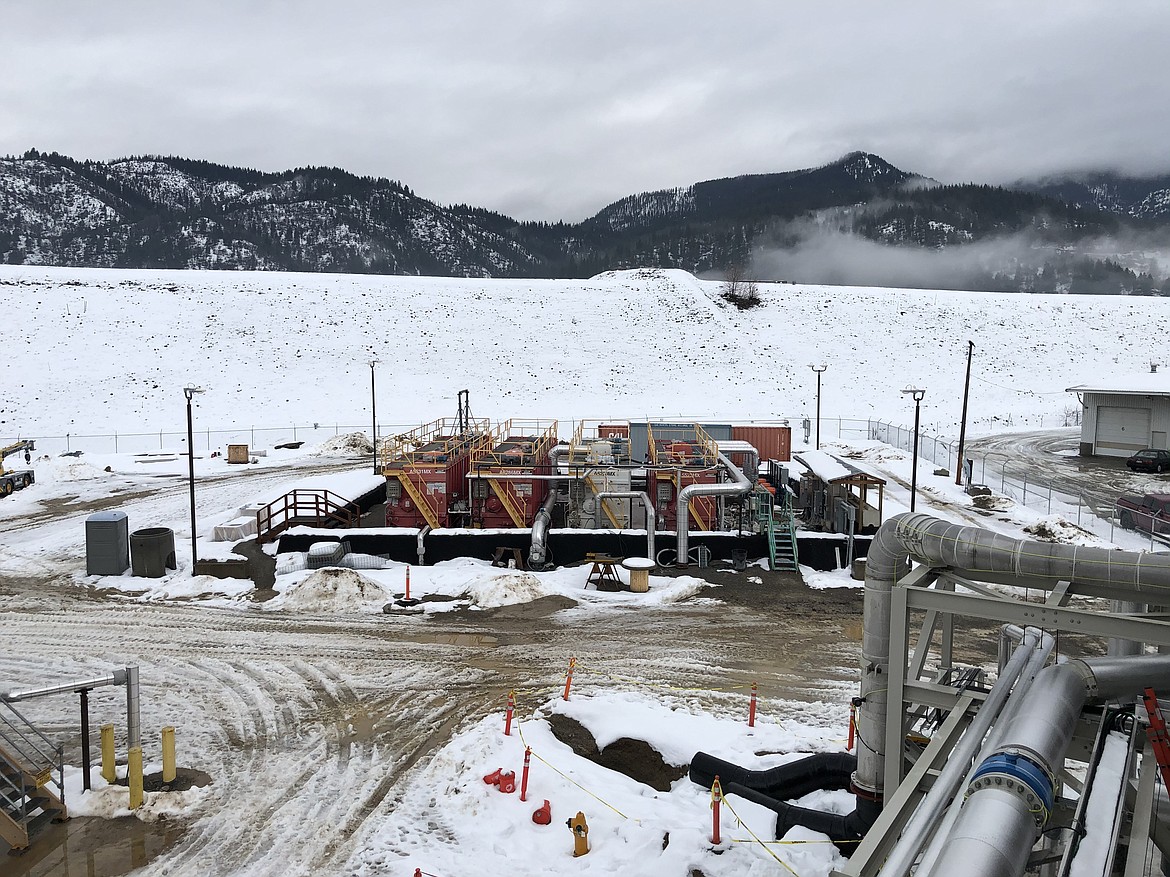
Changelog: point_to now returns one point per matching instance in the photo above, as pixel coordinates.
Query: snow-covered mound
(507, 590)
(349, 443)
(332, 590)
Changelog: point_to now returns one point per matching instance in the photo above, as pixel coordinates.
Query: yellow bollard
(109, 772)
(168, 746)
(134, 775)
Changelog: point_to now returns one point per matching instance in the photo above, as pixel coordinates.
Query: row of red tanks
(464, 473)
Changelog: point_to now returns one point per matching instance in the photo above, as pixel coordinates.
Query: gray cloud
(550, 110)
(815, 252)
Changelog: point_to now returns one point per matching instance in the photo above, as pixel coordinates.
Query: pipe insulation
(651, 516)
(538, 553)
(933, 805)
(738, 487)
(117, 677)
(1013, 789)
(974, 552)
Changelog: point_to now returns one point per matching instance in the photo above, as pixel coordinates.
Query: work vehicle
(1150, 460)
(11, 480)
(1150, 513)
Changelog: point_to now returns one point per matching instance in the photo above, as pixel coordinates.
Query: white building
(1122, 415)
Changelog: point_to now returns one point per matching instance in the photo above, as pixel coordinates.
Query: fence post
(115, 443)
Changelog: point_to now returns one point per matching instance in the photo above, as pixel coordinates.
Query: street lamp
(917, 395)
(819, 369)
(374, 410)
(190, 391)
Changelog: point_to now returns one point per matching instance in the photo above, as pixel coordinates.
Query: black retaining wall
(566, 546)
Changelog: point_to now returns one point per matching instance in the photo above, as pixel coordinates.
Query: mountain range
(167, 212)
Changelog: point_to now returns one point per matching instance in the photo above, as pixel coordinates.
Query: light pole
(819, 369)
(374, 411)
(190, 391)
(917, 395)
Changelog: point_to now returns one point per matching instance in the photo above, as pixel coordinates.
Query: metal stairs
(411, 481)
(27, 761)
(779, 523)
(510, 499)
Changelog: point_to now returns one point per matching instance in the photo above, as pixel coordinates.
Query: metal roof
(1140, 384)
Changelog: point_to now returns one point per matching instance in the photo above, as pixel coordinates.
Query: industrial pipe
(420, 548)
(651, 516)
(118, 677)
(1013, 790)
(974, 552)
(738, 487)
(932, 807)
(538, 553)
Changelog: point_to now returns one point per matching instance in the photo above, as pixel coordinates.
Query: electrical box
(107, 544)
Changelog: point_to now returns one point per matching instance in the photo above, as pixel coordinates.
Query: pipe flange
(1016, 773)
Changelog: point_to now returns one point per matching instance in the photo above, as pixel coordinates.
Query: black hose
(824, 770)
(844, 831)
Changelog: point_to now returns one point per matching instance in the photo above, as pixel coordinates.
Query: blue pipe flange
(1018, 774)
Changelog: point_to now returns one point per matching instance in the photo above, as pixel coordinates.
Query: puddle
(89, 847)
(478, 640)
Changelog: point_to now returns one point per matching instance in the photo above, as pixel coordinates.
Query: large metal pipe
(1009, 799)
(933, 806)
(651, 516)
(977, 553)
(738, 487)
(538, 553)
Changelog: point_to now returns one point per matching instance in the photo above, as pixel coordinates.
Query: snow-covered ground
(93, 352)
(104, 352)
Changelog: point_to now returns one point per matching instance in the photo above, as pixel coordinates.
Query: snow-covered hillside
(92, 352)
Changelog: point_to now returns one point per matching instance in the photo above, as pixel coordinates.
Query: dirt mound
(1057, 529)
(333, 588)
(637, 759)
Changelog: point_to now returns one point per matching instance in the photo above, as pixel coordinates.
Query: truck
(1150, 513)
(10, 479)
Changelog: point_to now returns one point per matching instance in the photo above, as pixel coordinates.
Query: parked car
(1150, 513)
(1150, 460)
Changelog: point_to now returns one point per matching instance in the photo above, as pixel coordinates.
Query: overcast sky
(547, 109)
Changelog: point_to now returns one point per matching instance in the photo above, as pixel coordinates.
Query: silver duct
(977, 553)
(1013, 789)
(420, 547)
(932, 808)
(738, 487)
(651, 517)
(118, 677)
(538, 553)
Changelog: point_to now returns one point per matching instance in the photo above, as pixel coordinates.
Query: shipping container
(773, 442)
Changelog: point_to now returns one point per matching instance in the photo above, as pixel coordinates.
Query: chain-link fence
(996, 472)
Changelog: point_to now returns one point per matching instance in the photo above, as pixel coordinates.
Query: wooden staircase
(313, 508)
(27, 762)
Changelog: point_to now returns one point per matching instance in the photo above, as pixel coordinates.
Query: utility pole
(963, 421)
(374, 412)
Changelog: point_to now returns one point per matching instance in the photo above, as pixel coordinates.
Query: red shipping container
(773, 442)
